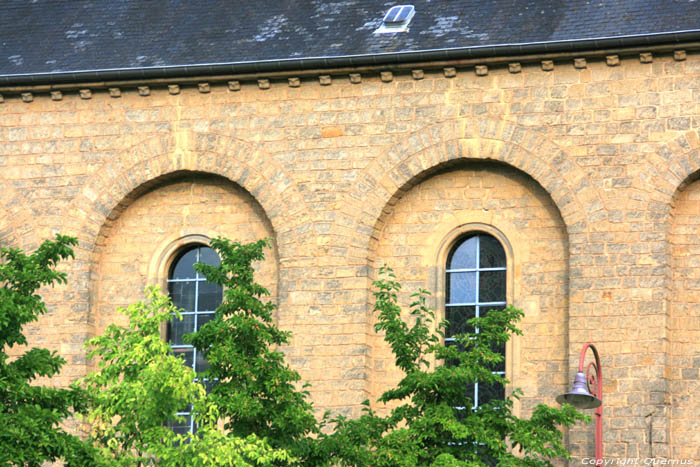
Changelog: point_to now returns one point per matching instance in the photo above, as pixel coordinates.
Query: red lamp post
(587, 393)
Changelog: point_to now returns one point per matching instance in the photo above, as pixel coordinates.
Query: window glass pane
(187, 355)
(183, 294)
(203, 319)
(209, 296)
(178, 328)
(492, 286)
(208, 256)
(200, 363)
(469, 397)
(464, 256)
(462, 414)
(485, 309)
(500, 349)
(488, 392)
(182, 427)
(458, 316)
(452, 362)
(209, 385)
(461, 287)
(491, 253)
(187, 409)
(183, 266)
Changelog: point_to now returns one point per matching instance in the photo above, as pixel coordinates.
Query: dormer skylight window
(396, 19)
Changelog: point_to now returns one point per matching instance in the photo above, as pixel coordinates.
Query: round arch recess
(416, 230)
(670, 178)
(135, 245)
(429, 150)
(683, 316)
(127, 176)
(436, 147)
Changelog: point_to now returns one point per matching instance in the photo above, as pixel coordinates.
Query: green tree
(266, 419)
(31, 415)
(255, 390)
(432, 422)
(139, 389)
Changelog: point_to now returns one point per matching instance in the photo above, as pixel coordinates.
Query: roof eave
(345, 61)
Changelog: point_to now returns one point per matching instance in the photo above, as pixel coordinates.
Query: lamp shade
(579, 396)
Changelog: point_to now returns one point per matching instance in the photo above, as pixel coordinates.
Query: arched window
(475, 285)
(198, 300)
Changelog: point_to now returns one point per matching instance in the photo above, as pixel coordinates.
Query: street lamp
(587, 393)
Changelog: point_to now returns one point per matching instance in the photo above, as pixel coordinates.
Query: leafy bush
(433, 423)
(255, 413)
(141, 386)
(256, 390)
(30, 414)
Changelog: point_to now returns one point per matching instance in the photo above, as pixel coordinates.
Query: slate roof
(58, 36)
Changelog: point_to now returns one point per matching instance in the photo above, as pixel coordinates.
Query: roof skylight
(396, 19)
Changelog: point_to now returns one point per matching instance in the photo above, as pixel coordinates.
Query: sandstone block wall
(587, 173)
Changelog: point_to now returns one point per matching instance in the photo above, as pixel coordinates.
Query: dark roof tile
(49, 36)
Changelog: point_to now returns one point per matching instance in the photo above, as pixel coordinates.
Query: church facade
(581, 167)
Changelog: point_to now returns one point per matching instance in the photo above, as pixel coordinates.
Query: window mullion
(197, 280)
(454, 279)
(475, 269)
(448, 305)
(477, 308)
(196, 323)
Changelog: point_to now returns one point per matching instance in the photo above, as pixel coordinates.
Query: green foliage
(30, 415)
(255, 414)
(429, 424)
(141, 386)
(256, 391)
(211, 447)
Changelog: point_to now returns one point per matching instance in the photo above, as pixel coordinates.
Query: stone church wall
(587, 171)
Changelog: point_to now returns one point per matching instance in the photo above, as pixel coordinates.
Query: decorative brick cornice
(295, 78)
